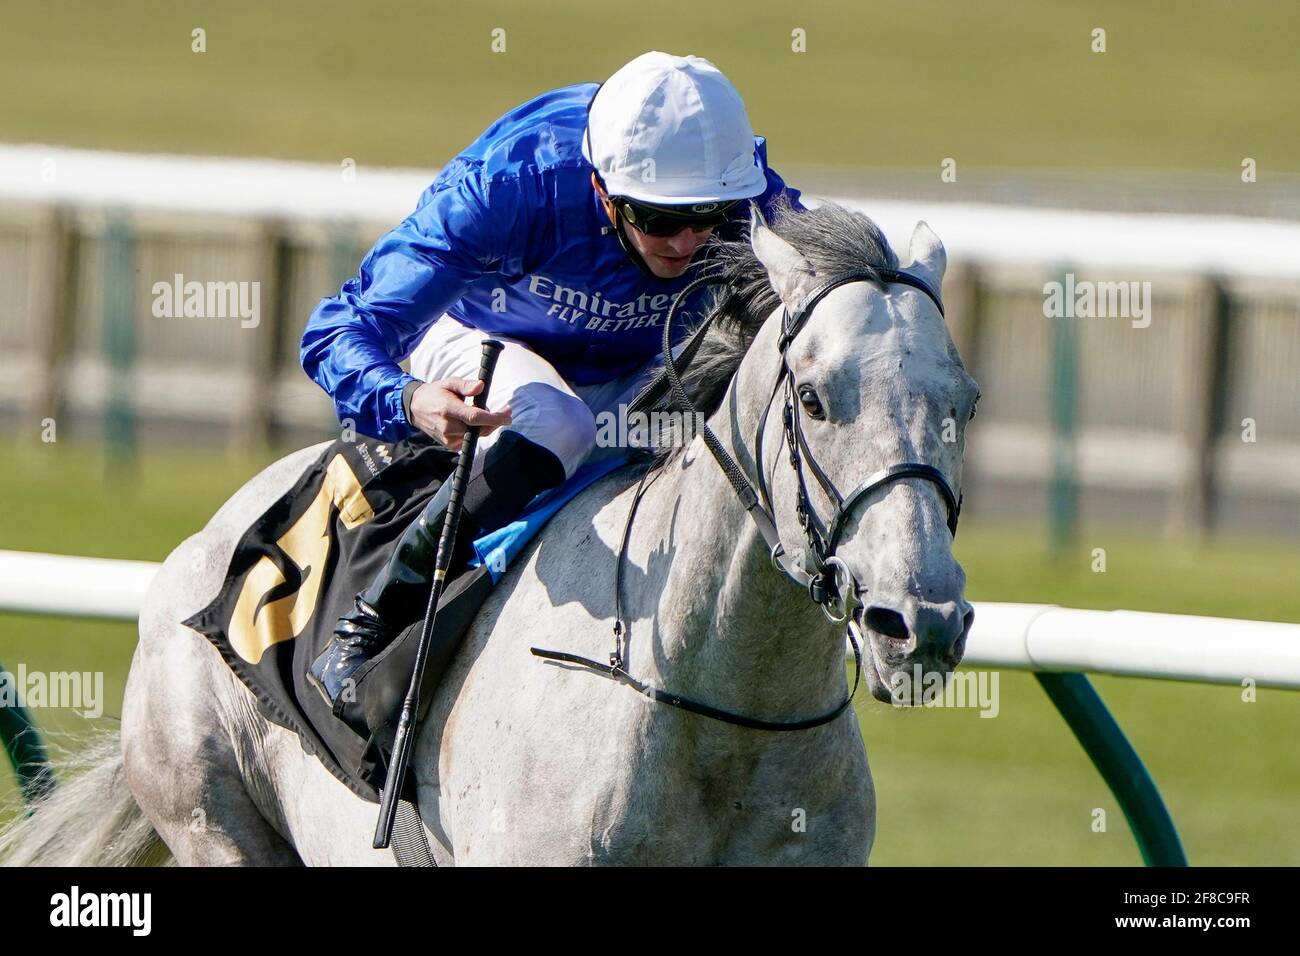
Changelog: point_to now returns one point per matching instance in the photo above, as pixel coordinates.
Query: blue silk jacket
(507, 239)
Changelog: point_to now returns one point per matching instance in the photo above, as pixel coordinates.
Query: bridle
(831, 585)
(825, 585)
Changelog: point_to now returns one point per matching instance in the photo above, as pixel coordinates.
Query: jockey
(564, 231)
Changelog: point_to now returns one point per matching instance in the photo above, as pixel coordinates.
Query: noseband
(831, 585)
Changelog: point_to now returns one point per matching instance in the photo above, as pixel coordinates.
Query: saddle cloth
(297, 568)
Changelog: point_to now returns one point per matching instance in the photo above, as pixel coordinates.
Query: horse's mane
(833, 239)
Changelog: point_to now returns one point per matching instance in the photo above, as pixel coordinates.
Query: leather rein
(830, 585)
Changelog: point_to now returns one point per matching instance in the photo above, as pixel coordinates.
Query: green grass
(1018, 790)
(953, 788)
(1195, 85)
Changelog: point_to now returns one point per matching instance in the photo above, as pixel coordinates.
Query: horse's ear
(791, 275)
(928, 255)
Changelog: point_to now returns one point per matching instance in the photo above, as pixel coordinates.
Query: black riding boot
(515, 470)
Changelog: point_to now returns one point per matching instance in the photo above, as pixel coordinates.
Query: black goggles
(670, 220)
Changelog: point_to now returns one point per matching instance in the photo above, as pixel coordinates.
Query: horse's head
(877, 382)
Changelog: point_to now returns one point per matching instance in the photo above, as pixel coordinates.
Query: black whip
(404, 740)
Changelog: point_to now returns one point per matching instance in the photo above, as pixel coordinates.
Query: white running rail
(59, 584)
(1035, 637)
(1184, 243)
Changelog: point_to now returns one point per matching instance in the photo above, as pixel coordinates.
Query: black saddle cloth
(296, 570)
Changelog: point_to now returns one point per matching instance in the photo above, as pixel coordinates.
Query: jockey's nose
(687, 240)
(937, 630)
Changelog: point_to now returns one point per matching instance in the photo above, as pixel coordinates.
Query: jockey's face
(667, 256)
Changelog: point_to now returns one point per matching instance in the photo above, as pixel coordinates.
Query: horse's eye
(811, 403)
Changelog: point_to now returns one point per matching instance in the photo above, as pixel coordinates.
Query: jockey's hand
(438, 409)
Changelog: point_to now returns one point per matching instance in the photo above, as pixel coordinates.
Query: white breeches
(544, 407)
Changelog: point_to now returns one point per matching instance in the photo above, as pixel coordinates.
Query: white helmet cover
(672, 130)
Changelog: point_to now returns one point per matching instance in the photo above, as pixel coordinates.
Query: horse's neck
(731, 630)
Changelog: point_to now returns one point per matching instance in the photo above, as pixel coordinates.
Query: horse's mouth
(876, 682)
(890, 679)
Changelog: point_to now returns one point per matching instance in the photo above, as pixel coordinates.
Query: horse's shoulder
(601, 495)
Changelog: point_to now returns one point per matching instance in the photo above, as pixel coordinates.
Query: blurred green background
(1193, 85)
(953, 788)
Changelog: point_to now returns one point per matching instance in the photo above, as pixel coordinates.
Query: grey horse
(527, 762)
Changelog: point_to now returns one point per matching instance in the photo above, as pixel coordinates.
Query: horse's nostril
(886, 621)
(967, 620)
